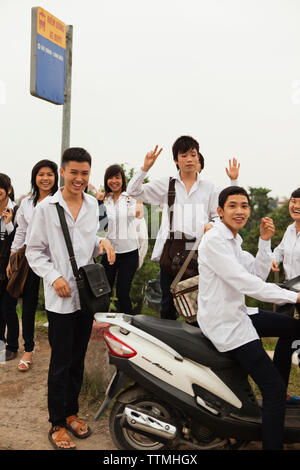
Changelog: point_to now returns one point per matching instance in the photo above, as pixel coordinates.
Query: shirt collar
(57, 197)
(178, 178)
(227, 233)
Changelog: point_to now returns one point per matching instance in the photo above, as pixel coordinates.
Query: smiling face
(45, 180)
(294, 209)
(235, 213)
(115, 183)
(76, 177)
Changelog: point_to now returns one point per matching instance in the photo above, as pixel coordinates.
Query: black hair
(76, 154)
(34, 188)
(295, 193)
(230, 191)
(5, 183)
(184, 144)
(111, 171)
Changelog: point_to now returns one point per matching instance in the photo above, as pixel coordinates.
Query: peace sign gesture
(150, 158)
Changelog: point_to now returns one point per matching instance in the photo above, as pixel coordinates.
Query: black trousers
(69, 334)
(9, 320)
(167, 307)
(270, 376)
(124, 268)
(29, 306)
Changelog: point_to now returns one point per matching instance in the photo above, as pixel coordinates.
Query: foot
(9, 355)
(60, 439)
(25, 362)
(78, 427)
(292, 399)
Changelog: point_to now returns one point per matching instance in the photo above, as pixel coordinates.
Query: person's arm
(152, 192)
(37, 250)
(226, 266)
(20, 235)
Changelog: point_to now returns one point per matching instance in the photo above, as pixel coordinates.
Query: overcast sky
(145, 72)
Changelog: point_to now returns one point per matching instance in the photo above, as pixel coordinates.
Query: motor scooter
(173, 388)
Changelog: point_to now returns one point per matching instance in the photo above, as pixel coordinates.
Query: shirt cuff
(52, 276)
(264, 244)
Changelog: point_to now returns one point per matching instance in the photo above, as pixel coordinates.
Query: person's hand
(298, 298)
(106, 246)
(8, 270)
(234, 169)
(207, 227)
(274, 267)
(267, 228)
(8, 215)
(150, 158)
(62, 287)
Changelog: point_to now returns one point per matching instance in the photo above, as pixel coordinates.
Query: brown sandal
(79, 423)
(62, 436)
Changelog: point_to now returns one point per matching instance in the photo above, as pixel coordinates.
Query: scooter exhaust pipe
(134, 418)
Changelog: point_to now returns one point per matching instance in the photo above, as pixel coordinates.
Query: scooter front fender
(117, 383)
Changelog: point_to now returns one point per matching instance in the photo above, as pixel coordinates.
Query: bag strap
(186, 262)
(64, 226)
(171, 199)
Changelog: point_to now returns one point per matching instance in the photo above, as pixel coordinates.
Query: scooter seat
(186, 339)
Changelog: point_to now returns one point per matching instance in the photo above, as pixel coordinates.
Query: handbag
(19, 271)
(5, 252)
(185, 292)
(175, 250)
(93, 286)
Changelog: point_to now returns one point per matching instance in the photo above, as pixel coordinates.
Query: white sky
(145, 72)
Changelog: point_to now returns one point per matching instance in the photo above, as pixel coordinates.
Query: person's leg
(110, 270)
(61, 339)
(83, 323)
(255, 361)
(167, 310)
(29, 306)
(128, 263)
(284, 327)
(8, 308)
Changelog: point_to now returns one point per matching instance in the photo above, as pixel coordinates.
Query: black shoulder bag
(93, 286)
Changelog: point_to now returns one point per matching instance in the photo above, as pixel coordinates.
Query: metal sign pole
(66, 120)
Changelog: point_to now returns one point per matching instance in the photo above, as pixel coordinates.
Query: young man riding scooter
(226, 275)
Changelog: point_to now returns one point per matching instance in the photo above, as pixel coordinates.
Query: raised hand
(267, 228)
(234, 169)
(274, 267)
(8, 215)
(150, 158)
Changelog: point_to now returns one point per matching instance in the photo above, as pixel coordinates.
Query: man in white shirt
(226, 275)
(195, 203)
(69, 327)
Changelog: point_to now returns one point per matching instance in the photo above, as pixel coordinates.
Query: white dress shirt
(7, 228)
(191, 210)
(226, 275)
(121, 229)
(47, 253)
(23, 219)
(288, 252)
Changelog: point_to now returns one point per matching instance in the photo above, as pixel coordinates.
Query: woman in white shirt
(44, 182)
(8, 314)
(288, 251)
(122, 211)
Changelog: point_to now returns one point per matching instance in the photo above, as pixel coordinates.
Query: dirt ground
(23, 408)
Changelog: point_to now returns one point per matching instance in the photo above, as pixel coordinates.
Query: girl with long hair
(44, 183)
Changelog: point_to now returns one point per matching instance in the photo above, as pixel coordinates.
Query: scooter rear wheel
(127, 439)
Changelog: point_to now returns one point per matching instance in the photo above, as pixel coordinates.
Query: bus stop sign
(48, 56)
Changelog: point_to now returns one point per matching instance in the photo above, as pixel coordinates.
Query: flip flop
(61, 436)
(27, 365)
(79, 423)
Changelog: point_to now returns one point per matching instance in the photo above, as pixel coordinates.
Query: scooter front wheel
(130, 439)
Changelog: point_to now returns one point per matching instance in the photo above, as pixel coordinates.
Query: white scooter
(174, 388)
